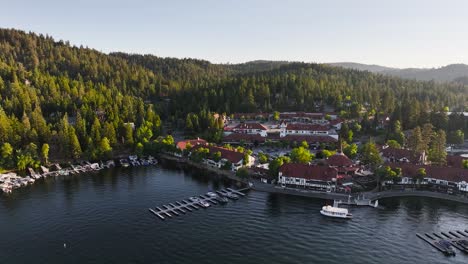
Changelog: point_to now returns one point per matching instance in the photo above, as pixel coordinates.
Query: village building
(234, 157)
(445, 179)
(317, 177)
(307, 129)
(345, 166)
(395, 155)
(251, 128)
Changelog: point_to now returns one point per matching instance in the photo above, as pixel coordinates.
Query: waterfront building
(234, 157)
(317, 177)
(344, 165)
(442, 178)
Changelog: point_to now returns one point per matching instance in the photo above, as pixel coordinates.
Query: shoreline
(358, 199)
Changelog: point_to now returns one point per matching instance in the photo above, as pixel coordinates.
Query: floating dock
(453, 237)
(185, 206)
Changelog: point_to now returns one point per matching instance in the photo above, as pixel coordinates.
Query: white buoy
(64, 245)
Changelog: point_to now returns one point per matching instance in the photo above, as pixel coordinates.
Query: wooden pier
(187, 205)
(453, 237)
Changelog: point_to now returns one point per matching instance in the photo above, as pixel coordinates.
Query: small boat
(212, 194)
(152, 160)
(204, 204)
(336, 212)
(222, 200)
(447, 246)
(124, 163)
(232, 196)
(194, 199)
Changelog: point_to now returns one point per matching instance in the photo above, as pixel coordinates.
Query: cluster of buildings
(235, 158)
(335, 174)
(314, 128)
(449, 178)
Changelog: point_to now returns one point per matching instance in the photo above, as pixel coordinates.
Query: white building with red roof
(251, 128)
(308, 176)
(307, 129)
(447, 177)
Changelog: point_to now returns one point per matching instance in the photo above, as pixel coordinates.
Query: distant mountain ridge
(449, 73)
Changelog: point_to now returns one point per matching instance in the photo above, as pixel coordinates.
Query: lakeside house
(317, 177)
(445, 178)
(234, 157)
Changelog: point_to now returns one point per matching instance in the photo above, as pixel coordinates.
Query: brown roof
(194, 142)
(307, 127)
(400, 153)
(251, 126)
(455, 161)
(339, 160)
(311, 172)
(436, 172)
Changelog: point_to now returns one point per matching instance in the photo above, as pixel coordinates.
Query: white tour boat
(337, 212)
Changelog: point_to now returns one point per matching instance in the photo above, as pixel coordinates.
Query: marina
(197, 202)
(446, 241)
(11, 180)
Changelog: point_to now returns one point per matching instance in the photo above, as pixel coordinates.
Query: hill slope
(443, 74)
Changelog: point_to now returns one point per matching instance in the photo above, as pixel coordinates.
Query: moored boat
(447, 246)
(204, 204)
(232, 196)
(124, 163)
(336, 212)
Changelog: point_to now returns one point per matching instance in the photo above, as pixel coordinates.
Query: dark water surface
(104, 218)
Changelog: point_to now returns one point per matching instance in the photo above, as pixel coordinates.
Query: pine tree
(75, 148)
(437, 152)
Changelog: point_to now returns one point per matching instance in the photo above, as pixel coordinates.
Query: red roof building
(402, 156)
(339, 159)
(231, 155)
(251, 128)
(435, 172)
(308, 172)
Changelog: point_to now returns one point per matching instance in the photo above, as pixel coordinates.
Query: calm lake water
(104, 218)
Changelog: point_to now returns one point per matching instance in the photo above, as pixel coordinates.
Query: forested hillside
(84, 103)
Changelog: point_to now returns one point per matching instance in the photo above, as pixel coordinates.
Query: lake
(103, 218)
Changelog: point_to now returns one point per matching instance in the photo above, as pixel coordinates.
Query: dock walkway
(187, 205)
(453, 237)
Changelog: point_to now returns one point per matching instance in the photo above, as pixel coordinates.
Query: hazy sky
(410, 33)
